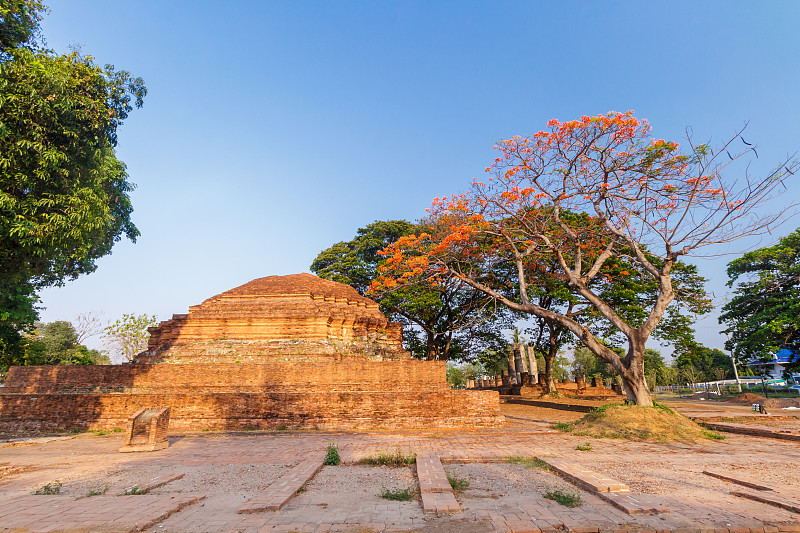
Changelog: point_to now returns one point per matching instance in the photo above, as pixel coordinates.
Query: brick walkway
(502, 496)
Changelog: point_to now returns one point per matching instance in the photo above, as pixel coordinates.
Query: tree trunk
(633, 380)
(549, 360)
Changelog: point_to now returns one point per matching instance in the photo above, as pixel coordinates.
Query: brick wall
(405, 375)
(236, 410)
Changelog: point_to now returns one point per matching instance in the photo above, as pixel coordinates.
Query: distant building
(776, 368)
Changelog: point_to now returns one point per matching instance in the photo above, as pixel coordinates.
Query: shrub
(332, 457)
(585, 448)
(49, 490)
(398, 458)
(567, 499)
(94, 492)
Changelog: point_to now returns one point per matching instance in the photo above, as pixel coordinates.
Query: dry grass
(659, 424)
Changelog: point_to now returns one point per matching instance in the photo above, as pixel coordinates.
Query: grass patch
(398, 495)
(94, 492)
(457, 483)
(585, 447)
(250, 428)
(398, 458)
(332, 456)
(528, 462)
(658, 423)
(282, 428)
(133, 491)
(49, 490)
(714, 435)
(116, 430)
(567, 499)
(564, 426)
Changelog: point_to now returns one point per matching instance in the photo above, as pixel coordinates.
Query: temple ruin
(295, 352)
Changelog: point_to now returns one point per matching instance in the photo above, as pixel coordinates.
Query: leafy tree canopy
(128, 336)
(64, 195)
(447, 320)
(56, 343)
(764, 315)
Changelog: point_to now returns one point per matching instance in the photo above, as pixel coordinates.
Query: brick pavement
(674, 471)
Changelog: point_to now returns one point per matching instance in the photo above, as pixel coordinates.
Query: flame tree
(593, 195)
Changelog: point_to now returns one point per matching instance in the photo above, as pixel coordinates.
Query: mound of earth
(747, 397)
(659, 424)
(779, 403)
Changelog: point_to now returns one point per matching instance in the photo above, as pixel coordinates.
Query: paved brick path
(670, 472)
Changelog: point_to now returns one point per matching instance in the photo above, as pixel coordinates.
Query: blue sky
(274, 129)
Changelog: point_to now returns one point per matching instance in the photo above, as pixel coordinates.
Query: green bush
(564, 498)
(49, 490)
(457, 483)
(332, 457)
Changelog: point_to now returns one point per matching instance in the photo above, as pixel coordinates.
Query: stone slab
(743, 482)
(58, 513)
(282, 489)
(431, 474)
(439, 503)
(583, 477)
(770, 498)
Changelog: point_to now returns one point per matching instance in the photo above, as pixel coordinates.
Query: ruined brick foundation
(284, 351)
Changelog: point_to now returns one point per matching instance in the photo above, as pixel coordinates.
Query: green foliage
(64, 196)
(528, 462)
(714, 435)
(700, 363)
(444, 321)
(398, 495)
(133, 491)
(567, 499)
(398, 458)
(19, 24)
(49, 490)
(332, 456)
(584, 447)
(95, 492)
(457, 483)
(764, 314)
(566, 427)
(56, 343)
(128, 336)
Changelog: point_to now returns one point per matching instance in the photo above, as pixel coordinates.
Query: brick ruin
(281, 351)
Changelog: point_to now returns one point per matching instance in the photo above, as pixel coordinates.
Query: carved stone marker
(147, 430)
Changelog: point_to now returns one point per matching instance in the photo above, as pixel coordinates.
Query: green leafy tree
(56, 343)
(705, 361)
(764, 314)
(64, 196)
(128, 336)
(447, 320)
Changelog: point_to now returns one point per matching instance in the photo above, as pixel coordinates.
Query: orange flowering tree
(597, 196)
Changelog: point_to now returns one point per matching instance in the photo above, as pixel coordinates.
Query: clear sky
(274, 129)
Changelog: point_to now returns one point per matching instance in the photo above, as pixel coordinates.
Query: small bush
(398, 458)
(564, 498)
(133, 491)
(564, 426)
(332, 457)
(457, 483)
(528, 462)
(585, 447)
(49, 490)
(398, 495)
(282, 428)
(94, 492)
(117, 430)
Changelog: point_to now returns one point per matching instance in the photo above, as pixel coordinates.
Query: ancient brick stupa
(282, 351)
